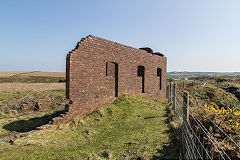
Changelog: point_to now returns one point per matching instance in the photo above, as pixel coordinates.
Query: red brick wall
(90, 84)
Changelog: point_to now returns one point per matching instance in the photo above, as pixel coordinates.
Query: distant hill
(46, 74)
(32, 73)
(10, 73)
(31, 77)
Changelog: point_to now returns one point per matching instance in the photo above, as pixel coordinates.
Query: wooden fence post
(186, 106)
(175, 97)
(170, 92)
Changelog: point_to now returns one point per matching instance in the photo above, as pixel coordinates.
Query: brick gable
(99, 70)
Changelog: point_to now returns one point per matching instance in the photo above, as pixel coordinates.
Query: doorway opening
(159, 74)
(112, 70)
(116, 80)
(141, 73)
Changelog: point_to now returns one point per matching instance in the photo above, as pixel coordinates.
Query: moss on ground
(130, 128)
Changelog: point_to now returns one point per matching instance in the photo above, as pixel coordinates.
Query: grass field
(31, 77)
(31, 86)
(130, 128)
(13, 95)
(10, 73)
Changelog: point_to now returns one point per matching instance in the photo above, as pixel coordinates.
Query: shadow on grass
(172, 149)
(31, 124)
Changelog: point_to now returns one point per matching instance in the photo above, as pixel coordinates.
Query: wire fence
(202, 137)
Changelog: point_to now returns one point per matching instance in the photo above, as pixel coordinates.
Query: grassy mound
(130, 128)
(216, 95)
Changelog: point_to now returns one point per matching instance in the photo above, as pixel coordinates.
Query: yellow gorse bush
(223, 112)
(237, 113)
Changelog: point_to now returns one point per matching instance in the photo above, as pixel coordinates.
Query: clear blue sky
(201, 35)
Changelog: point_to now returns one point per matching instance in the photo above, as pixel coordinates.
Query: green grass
(6, 96)
(131, 127)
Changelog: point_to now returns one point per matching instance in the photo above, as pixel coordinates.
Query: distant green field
(130, 128)
(177, 75)
(31, 77)
(172, 76)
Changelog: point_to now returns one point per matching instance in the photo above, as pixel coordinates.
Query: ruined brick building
(99, 70)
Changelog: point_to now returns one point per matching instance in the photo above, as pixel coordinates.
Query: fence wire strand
(198, 142)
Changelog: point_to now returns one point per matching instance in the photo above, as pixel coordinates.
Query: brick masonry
(99, 70)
